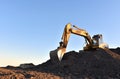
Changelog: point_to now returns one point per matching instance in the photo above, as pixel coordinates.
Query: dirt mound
(97, 64)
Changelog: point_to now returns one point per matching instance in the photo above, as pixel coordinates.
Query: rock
(27, 65)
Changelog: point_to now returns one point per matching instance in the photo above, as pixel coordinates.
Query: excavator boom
(81, 32)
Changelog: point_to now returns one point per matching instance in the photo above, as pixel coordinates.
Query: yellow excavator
(91, 43)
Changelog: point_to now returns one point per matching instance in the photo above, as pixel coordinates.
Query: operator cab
(97, 39)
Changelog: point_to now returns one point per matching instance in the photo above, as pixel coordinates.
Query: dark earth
(94, 64)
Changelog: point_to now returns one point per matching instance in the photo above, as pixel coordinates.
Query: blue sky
(29, 29)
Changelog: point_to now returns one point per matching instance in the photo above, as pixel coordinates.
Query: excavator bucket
(57, 54)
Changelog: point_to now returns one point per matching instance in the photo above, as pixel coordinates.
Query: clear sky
(29, 29)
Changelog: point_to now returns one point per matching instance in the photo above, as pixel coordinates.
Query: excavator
(91, 43)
